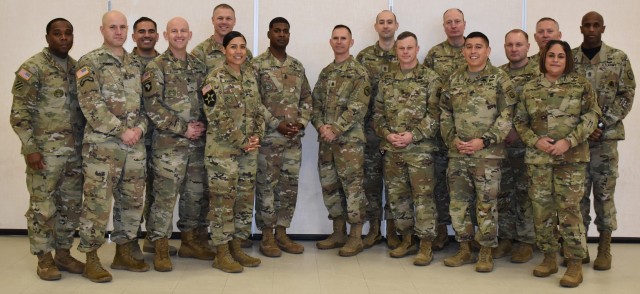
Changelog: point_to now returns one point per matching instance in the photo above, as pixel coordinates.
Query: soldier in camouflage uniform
(286, 94)
(477, 111)
(378, 59)
(340, 102)
(46, 117)
(173, 103)
(555, 115)
(514, 207)
(547, 29)
(145, 35)
(236, 122)
(407, 117)
(211, 52)
(444, 59)
(609, 72)
(114, 156)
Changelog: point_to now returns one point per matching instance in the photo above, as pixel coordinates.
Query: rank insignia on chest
(331, 83)
(208, 95)
(58, 93)
(385, 68)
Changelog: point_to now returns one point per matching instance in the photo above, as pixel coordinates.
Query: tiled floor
(318, 271)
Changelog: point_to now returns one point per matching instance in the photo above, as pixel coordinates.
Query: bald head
(178, 35)
(593, 15)
(114, 29)
(386, 14)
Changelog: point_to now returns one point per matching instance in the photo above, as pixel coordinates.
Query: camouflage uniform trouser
(231, 183)
(112, 171)
(277, 181)
(555, 192)
(474, 184)
(341, 178)
(441, 189)
(602, 174)
(148, 194)
(373, 178)
(514, 206)
(409, 176)
(55, 203)
(178, 172)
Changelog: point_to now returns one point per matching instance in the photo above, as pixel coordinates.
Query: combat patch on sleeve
(146, 81)
(25, 74)
(208, 95)
(367, 90)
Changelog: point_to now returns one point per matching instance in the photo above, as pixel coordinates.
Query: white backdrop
(23, 24)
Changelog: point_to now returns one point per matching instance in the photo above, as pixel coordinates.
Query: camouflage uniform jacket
(477, 107)
(143, 60)
(409, 102)
(110, 95)
(566, 109)
(444, 59)
(172, 98)
(284, 89)
(233, 109)
(610, 73)
(211, 53)
(519, 77)
(341, 98)
(377, 62)
(45, 113)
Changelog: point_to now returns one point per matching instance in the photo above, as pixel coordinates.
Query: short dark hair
(278, 20)
(407, 34)
(144, 18)
(230, 36)
(477, 35)
(223, 5)
(48, 28)
(526, 36)
(569, 65)
(341, 26)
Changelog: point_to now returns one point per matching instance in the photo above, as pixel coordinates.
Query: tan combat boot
(236, 252)
(393, 241)
(65, 262)
(93, 269)
(373, 237)
(338, 237)
(47, 269)
(224, 261)
(503, 249)
(202, 237)
(161, 260)
(286, 244)
(123, 260)
(407, 247)
(442, 239)
(463, 256)
(149, 247)
(548, 266)
(268, 246)
(354, 243)
(523, 253)
(135, 251)
(603, 260)
(191, 247)
(573, 276)
(585, 260)
(485, 260)
(425, 255)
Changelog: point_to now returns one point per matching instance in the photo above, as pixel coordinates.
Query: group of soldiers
(437, 139)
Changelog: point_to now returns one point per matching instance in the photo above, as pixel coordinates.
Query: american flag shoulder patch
(82, 72)
(206, 89)
(146, 76)
(25, 74)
